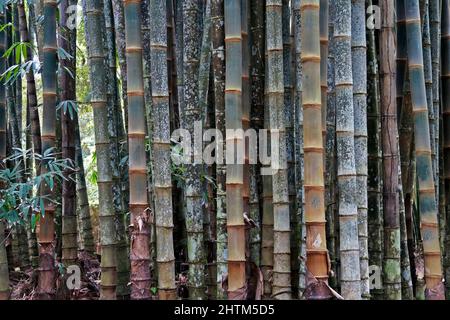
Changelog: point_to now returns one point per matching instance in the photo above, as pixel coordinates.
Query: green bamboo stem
(218, 61)
(427, 199)
(139, 206)
(161, 152)
(348, 213)
(94, 20)
(359, 65)
(4, 272)
(46, 284)
(375, 212)
(235, 177)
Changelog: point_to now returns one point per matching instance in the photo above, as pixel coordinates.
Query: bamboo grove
(225, 149)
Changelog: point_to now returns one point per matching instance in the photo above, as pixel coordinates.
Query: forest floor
(24, 282)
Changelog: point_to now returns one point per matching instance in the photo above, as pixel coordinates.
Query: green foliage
(20, 202)
(68, 106)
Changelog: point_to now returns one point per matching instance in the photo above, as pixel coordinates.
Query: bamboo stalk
(46, 284)
(375, 212)
(330, 163)
(317, 259)
(427, 199)
(67, 41)
(267, 198)
(146, 54)
(428, 73)
(161, 152)
(4, 273)
(191, 13)
(407, 286)
(288, 79)
(233, 121)
(84, 216)
(218, 61)
(348, 213)
(257, 51)
(359, 64)
(139, 207)
(391, 266)
(94, 19)
(445, 78)
(317, 254)
(119, 27)
(298, 150)
(281, 286)
(115, 126)
(435, 37)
